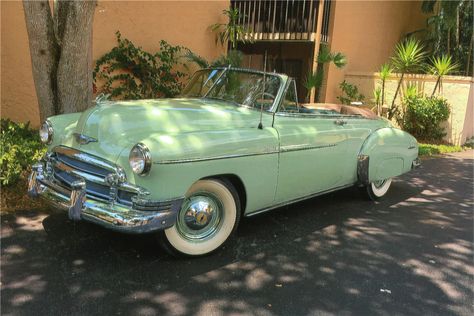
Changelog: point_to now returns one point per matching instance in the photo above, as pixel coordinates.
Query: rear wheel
(377, 189)
(209, 215)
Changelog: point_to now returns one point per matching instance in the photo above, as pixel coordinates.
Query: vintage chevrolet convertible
(236, 143)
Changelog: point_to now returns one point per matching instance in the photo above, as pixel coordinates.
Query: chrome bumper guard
(143, 216)
(416, 163)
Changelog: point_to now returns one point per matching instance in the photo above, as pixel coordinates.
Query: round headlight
(140, 159)
(46, 132)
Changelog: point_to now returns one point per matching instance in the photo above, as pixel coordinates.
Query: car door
(311, 152)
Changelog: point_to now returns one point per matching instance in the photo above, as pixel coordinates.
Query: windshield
(238, 87)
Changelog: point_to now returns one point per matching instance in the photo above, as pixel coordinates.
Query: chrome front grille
(104, 180)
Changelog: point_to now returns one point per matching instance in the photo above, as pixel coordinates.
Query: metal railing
(282, 19)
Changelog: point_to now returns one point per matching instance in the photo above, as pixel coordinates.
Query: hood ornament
(84, 139)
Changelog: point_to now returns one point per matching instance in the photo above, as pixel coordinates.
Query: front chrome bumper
(151, 215)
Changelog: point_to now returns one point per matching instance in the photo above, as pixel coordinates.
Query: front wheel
(209, 215)
(377, 189)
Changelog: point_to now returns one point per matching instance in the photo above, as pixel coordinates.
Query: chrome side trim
(290, 148)
(318, 115)
(266, 209)
(178, 161)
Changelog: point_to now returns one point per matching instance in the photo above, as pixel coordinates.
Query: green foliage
(423, 117)
(411, 91)
(377, 94)
(385, 71)
(231, 31)
(20, 148)
(233, 58)
(129, 72)
(430, 149)
(350, 93)
(441, 66)
(314, 80)
(409, 56)
(449, 31)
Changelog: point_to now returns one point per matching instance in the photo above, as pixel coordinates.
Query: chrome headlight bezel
(140, 152)
(46, 132)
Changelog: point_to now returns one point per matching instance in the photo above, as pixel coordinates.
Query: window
(290, 102)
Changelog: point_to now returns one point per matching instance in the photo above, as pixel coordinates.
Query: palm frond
(195, 58)
(385, 71)
(442, 65)
(313, 80)
(339, 59)
(409, 55)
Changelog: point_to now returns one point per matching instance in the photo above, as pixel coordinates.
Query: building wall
(458, 91)
(145, 23)
(367, 32)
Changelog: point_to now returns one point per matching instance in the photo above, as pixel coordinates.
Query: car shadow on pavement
(410, 253)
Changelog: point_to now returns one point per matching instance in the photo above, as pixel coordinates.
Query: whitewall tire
(208, 216)
(378, 189)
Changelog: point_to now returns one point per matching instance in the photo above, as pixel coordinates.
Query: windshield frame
(282, 85)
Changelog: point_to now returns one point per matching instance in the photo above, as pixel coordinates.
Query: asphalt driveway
(411, 254)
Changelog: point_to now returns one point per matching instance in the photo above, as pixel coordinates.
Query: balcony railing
(283, 19)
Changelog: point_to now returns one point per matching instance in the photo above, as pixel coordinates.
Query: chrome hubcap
(200, 217)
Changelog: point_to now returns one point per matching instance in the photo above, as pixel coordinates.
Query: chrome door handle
(340, 122)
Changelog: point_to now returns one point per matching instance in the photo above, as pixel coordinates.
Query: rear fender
(387, 152)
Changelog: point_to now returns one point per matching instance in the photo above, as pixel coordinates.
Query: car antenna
(260, 125)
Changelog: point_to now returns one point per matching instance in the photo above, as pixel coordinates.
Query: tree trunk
(74, 68)
(392, 107)
(383, 92)
(436, 85)
(60, 48)
(44, 55)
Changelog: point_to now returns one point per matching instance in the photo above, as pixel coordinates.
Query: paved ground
(411, 254)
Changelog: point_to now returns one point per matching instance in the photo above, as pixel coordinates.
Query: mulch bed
(14, 198)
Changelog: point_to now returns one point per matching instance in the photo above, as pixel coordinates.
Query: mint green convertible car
(236, 143)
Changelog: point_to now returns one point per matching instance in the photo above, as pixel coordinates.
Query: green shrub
(423, 117)
(129, 72)
(430, 149)
(350, 93)
(20, 148)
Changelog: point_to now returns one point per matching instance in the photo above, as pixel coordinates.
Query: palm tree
(314, 80)
(408, 57)
(233, 58)
(441, 66)
(385, 72)
(232, 31)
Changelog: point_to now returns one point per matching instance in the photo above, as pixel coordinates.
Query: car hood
(119, 124)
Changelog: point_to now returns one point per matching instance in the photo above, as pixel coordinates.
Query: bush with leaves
(350, 93)
(129, 72)
(423, 117)
(20, 148)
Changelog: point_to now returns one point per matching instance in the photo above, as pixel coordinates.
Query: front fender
(387, 152)
(181, 159)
